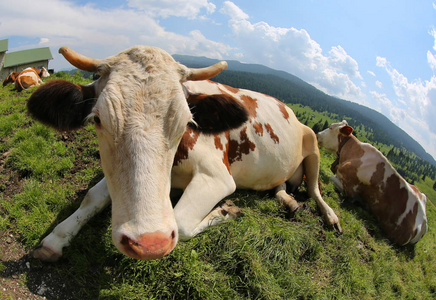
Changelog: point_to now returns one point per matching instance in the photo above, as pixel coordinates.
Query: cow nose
(149, 245)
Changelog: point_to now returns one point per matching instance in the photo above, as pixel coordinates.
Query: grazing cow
(155, 133)
(30, 77)
(11, 78)
(364, 173)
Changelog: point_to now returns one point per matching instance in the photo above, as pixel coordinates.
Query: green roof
(26, 56)
(3, 45)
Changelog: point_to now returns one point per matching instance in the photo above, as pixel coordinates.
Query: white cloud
(180, 8)
(419, 97)
(379, 84)
(99, 32)
(381, 61)
(234, 12)
(433, 34)
(43, 41)
(371, 73)
(431, 59)
(294, 51)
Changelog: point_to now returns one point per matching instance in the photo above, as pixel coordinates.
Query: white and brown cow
(160, 125)
(27, 78)
(365, 174)
(11, 78)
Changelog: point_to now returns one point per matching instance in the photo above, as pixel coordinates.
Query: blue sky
(381, 54)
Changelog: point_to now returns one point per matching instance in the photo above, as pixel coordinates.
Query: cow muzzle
(149, 245)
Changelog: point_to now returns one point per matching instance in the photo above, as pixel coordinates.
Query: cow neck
(342, 141)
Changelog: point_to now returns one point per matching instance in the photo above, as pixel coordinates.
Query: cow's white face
(140, 119)
(328, 138)
(140, 112)
(44, 73)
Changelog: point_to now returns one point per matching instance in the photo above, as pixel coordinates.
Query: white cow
(155, 133)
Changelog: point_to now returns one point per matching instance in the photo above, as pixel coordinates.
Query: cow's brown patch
(283, 109)
(250, 104)
(396, 198)
(226, 152)
(230, 89)
(225, 149)
(187, 143)
(273, 136)
(218, 144)
(258, 129)
(236, 149)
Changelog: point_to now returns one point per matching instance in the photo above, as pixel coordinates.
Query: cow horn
(79, 61)
(208, 72)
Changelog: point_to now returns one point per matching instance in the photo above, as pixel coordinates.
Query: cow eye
(97, 120)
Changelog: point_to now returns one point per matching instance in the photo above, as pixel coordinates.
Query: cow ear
(346, 130)
(216, 113)
(61, 104)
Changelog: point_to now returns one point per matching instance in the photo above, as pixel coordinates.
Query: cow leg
(286, 199)
(194, 212)
(311, 167)
(94, 202)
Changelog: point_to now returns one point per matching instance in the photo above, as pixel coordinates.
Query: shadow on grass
(80, 272)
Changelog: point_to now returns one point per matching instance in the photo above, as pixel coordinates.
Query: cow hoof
(294, 206)
(46, 254)
(229, 209)
(337, 227)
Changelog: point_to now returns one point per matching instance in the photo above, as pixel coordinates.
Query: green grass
(265, 254)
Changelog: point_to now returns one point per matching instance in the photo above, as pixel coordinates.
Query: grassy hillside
(265, 254)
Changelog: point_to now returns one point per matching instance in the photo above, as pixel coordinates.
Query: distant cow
(30, 77)
(11, 78)
(364, 173)
(160, 125)
(27, 78)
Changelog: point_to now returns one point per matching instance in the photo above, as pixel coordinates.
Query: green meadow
(265, 254)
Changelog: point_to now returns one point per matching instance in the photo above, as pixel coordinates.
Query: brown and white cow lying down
(11, 78)
(27, 78)
(160, 125)
(364, 173)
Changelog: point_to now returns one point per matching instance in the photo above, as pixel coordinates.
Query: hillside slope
(291, 89)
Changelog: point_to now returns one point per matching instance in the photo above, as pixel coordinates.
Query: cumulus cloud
(419, 99)
(233, 11)
(294, 51)
(102, 32)
(180, 8)
(431, 59)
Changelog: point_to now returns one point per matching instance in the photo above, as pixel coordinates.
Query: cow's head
(140, 111)
(44, 73)
(331, 137)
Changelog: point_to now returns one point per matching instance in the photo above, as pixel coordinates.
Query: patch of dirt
(23, 277)
(15, 264)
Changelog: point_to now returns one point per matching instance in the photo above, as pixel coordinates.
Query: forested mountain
(291, 89)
